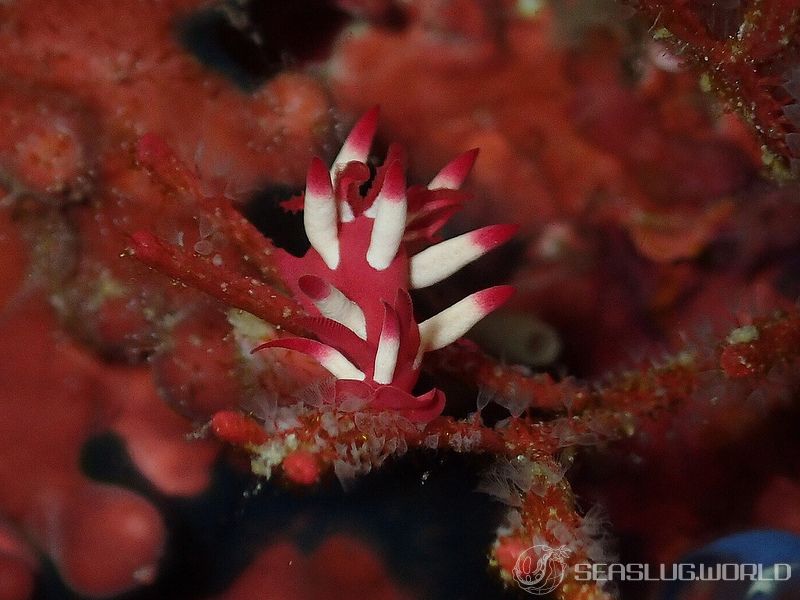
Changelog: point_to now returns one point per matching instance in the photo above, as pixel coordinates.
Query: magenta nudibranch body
(355, 279)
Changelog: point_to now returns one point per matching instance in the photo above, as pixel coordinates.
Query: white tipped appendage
(356, 146)
(346, 212)
(390, 219)
(438, 262)
(452, 323)
(454, 173)
(320, 217)
(330, 358)
(388, 347)
(333, 304)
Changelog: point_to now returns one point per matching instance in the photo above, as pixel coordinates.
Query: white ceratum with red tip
(354, 280)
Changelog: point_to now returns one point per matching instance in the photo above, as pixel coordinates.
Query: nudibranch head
(355, 279)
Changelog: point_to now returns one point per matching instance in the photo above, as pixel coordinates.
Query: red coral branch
(153, 153)
(246, 293)
(754, 350)
(467, 362)
(770, 343)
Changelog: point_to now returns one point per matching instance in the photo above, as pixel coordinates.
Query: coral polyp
(354, 280)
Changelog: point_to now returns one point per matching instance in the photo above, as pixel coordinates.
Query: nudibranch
(354, 280)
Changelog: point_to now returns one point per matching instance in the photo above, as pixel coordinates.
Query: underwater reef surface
(250, 351)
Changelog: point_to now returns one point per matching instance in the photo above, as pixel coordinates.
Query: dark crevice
(255, 41)
(284, 228)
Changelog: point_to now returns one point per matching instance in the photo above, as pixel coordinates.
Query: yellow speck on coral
(743, 335)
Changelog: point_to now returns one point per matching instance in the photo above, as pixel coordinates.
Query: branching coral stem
(468, 363)
(256, 249)
(748, 355)
(748, 67)
(246, 293)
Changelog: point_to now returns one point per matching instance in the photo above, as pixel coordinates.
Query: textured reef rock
(747, 53)
(655, 269)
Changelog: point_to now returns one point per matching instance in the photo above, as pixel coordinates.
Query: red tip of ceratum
(360, 138)
(453, 175)
(312, 348)
(314, 287)
(318, 179)
(394, 184)
(493, 235)
(462, 164)
(391, 323)
(493, 298)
